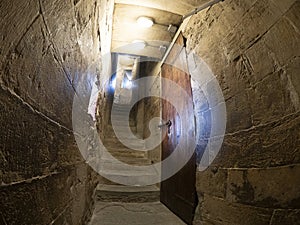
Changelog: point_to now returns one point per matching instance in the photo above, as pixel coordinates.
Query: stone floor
(128, 205)
(114, 213)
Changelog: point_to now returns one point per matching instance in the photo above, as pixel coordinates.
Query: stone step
(118, 169)
(133, 177)
(121, 168)
(142, 161)
(121, 106)
(125, 137)
(113, 142)
(122, 121)
(125, 152)
(110, 130)
(120, 193)
(122, 115)
(112, 135)
(121, 111)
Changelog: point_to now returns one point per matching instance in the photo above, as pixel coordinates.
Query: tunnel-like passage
(48, 47)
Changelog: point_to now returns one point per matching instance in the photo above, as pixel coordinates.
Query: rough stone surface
(151, 105)
(274, 144)
(252, 47)
(216, 209)
(43, 178)
(285, 217)
(272, 187)
(129, 194)
(212, 181)
(48, 47)
(133, 214)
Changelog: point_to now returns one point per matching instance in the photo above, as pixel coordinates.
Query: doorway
(178, 192)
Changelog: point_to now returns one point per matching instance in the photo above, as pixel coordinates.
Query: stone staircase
(115, 169)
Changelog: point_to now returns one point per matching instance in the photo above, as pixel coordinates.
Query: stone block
(212, 181)
(69, 25)
(13, 24)
(270, 99)
(283, 38)
(293, 85)
(225, 213)
(290, 217)
(34, 75)
(286, 5)
(274, 144)
(234, 11)
(37, 202)
(261, 60)
(238, 113)
(292, 14)
(264, 14)
(218, 120)
(84, 12)
(31, 145)
(43, 178)
(277, 187)
(55, 199)
(60, 19)
(234, 79)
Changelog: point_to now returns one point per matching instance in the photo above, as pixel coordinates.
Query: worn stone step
(124, 169)
(110, 130)
(122, 106)
(129, 160)
(126, 138)
(131, 177)
(125, 152)
(120, 193)
(115, 143)
(119, 169)
(121, 111)
(132, 155)
(122, 116)
(122, 121)
(116, 148)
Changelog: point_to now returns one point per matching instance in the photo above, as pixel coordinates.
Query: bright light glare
(144, 22)
(139, 44)
(113, 83)
(129, 85)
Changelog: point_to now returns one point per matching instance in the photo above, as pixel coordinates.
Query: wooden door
(178, 193)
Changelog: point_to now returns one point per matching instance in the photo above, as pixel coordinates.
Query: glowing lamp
(145, 22)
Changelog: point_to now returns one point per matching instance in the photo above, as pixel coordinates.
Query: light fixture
(145, 22)
(162, 48)
(139, 44)
(172, 28)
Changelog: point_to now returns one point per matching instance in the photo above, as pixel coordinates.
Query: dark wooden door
(178, 192)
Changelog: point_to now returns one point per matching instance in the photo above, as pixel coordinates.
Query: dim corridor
(122, 204)
(61, 61)
(111, 161)
(115, 213)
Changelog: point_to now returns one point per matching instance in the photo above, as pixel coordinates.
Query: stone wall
(253, 48)
(46, 47)
(151, 105)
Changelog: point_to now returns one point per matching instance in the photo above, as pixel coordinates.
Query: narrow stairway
(115, 170)
(135, 203)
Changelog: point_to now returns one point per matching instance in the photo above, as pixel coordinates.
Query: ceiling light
(145, 22)
(139, 44)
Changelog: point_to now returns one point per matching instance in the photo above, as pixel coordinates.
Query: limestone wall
(151, 105)
(46, 47)
(253, 48)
